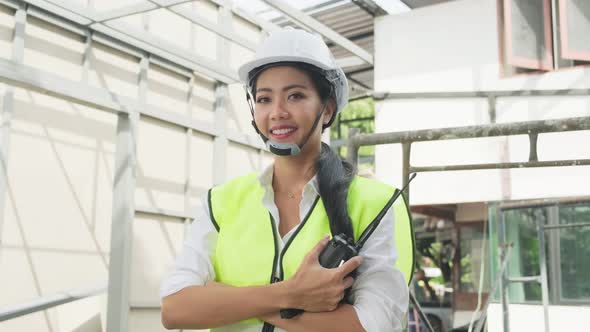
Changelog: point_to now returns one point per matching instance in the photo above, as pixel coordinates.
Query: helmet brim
(245, 69)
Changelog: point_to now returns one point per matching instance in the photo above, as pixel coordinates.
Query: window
(543, 35)
(574, 253)
(566, 251)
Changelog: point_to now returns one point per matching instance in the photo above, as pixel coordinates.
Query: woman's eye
(262, 100)
(296, 96)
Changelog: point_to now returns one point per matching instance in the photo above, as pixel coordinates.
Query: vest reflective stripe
(247, 246)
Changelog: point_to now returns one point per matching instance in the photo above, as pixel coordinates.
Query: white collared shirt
(379, 293)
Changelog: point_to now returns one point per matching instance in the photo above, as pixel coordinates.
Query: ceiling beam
(351, 61)
(370, 7)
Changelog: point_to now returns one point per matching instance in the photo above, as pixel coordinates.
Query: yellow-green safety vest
(247, 243)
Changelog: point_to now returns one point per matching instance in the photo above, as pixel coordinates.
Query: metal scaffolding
(530, 128)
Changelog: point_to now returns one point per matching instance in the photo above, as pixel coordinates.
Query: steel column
(504, 274)
(220, 142)
(543, 276)
(125, 178)
(352, 152)
(406, 169)
(18, 47)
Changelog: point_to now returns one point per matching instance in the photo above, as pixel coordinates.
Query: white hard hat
(296, 45)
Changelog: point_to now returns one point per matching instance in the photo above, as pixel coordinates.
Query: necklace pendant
(291, 195)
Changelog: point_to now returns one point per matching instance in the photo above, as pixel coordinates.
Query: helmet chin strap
(287, 149)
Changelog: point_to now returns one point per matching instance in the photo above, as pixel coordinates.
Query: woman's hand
(314, 288)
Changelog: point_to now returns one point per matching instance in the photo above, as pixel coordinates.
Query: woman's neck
(293, 172)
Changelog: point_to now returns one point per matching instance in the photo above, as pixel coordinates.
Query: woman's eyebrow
(288, 87)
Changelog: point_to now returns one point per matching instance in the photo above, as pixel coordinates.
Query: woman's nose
(278, 111)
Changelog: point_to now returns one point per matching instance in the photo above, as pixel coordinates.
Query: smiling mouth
(282, 132)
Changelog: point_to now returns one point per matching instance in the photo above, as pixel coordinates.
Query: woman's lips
(282, 132)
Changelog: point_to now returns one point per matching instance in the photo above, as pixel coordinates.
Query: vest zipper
(288, 244)
(268, 327)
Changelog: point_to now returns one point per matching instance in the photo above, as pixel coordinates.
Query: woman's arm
(202, 307)
(312, 288)
(343, 319)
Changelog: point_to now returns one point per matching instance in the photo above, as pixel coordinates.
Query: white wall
(454, 47)
(561, 318)
(56, 222)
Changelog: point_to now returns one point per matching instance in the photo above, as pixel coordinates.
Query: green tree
(357, 114)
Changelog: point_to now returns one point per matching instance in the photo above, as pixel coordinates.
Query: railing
(49, 301)
(530, 128)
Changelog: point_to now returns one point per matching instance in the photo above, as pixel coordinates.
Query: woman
(254, 250)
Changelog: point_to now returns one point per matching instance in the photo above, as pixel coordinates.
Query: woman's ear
(330, 110)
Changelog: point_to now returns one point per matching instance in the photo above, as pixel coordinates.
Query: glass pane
(524, 259)
(471, 259)
(574, 252)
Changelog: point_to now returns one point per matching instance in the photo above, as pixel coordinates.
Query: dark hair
(334, 174)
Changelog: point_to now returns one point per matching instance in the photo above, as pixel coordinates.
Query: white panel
(239, 55)
(561, 318)
(550, 146)
(402, 115)
(51, 266)
(201, 171)
(458, 152)
(426, 59)
(206, 9)
(6, 31)
(161, 152)
(17, 282)
(146, 321)
(205, 42)
(83, 3)
(203, 99)
(167, 90)
(55, 184)
(203, 8)
(103, 5)
(32, 322)
(113, 70)
(514, 109)
(53, 49)
(388, 164)
(133, 21)
(242, 160)
(11, 235)
(556, 182)
(238, 112)
(86, 315)
(164, 23)
(156, 243)
(247, 30)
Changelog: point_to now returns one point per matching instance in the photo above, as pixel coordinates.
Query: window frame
(553, 248)
(566, 51)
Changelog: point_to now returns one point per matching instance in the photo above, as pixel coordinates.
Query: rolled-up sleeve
(380, 292)
(193, 266)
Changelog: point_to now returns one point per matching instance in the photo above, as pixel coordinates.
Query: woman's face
(286, 105)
